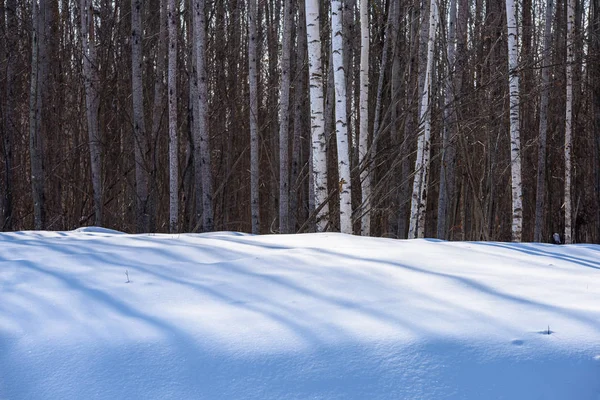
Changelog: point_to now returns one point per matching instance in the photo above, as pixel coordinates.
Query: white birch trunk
(139, 129)
(318, 140)
(363, 149)
(173, 21)
(515, 140)
(419, 196)
(201, 134)
(341, 119)
(284, 120)
(569, 119)
(544, 101)
(92, 102)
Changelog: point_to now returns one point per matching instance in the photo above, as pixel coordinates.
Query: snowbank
(105, 315)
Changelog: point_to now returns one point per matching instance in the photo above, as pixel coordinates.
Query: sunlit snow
(97, 314)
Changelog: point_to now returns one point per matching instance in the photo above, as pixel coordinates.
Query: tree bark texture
(318, 140)
(341, 118)
(515, 139)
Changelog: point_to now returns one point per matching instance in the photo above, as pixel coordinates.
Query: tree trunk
(158, 111)
(173, 21)
(92, 101)
(10, 124)
(449, 129)
(300, 107)
(569, 119)
(254, 145)
(366, 173)
(318, 140)
(419, 197)
(284, 119)
(201, 134)
(543, 129)
(595, 80)
(35, 113)
(515, 140)
(139, 129)
(341, 119)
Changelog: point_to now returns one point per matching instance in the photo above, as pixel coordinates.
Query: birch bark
(515, 139)
(318, 140)
(419, 196)
(341, 118)
(569, 119)
(363, 151)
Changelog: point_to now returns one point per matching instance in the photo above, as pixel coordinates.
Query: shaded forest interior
(202, 115)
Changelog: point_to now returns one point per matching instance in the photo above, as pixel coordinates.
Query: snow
(317, 316)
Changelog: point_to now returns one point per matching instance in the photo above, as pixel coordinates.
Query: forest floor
(97, 314)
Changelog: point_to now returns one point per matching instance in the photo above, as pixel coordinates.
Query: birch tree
(543, 128)
(363, 151)
(284, 119)
(201, 134)
(139, 126)
(253, 81)
(569, 119)
(416, 227)
(318, 140)
(515, 140)
(92, 101)
(173, 21)
(341, 118)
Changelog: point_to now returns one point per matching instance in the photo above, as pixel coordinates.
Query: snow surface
(316, 316)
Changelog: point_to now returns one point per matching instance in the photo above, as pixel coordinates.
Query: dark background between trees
(44, 126)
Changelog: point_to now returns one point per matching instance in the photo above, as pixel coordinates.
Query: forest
(449, 119)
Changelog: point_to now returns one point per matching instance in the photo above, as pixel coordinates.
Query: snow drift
(97, 314)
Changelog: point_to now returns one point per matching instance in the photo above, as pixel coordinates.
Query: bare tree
(300, 112)
(543, 129)
(201, 134)
(253, 80)
(284, 119)
(449, 129)
(318, 140)
(421, 179)
(366, 174)
(38, 58)
(10, 124)
(173, 21)
(92, 100)
(515, 139)
(569, 119)
(139, 126)
(341, 119)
